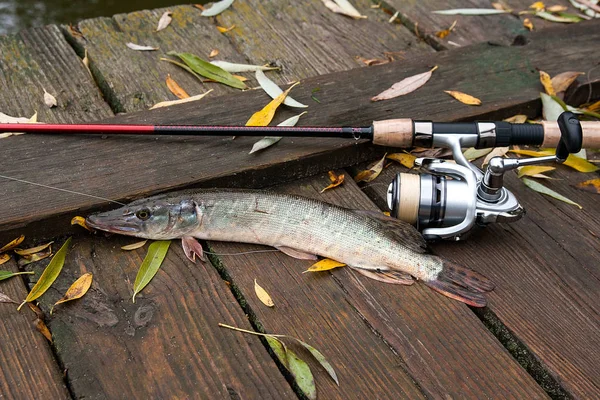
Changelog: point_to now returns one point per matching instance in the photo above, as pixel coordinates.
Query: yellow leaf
(4, 258)
(134, 246)
(12, 244)
(533, 170)
(556, 9)
(538, 6)
(517, 119)
(324, 265)
(593, 107)
(406, 159)
(32, 250)
(225, 30)
(180, 101)
(265, 116)
(592, 185)
(336, 180)
(547, 83)
(213, 53)
(263, 295)
(464, 98)
(81, 222)
(77, 290)
(528, 24)
(241, 78)
(370, 174)
(446, 32)
(175, 88)
(31, 258)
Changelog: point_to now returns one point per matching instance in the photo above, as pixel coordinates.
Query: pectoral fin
(192, 248)
(302, 255)
(393, 277)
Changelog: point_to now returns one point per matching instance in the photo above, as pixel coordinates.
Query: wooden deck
(537, 338)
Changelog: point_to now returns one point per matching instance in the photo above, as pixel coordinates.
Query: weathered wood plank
(38, 59)
(439, 342)
(547, 270)
(505, 78)
(28, 367)
(165, 345)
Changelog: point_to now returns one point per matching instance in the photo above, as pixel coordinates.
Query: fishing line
(62, 190)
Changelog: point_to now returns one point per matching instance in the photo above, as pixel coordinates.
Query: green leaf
(538, 187)
(50, 274)
(301, 373)
(320, 358)
(9, 274)
(208, 70)
(563, 17)
(278, 348)
(152, 262)
(471, 11)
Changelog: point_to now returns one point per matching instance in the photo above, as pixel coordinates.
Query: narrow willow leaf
(12, 244)
(564, 18)
(372, 172)
(134, 246)
(534, 170)
(4, 258)
(236, 68)
(208, 70)
(81, 222)
(139, 47)
(592, 185)
(538, 187)
(343, 7)
(275, 91)
(301, 373)
(222, 29)
(336, 180)
(7, 119)
(5, 299)
(496, 152)
(443, 33)
(50, 274)
(180, 101)
(33, 250)
(320, 358)
(175, 88)
(551, 109)
(152, 262)
(278, 348)
(517, 119)
(217, 8)
(561, 82)
(405, 86)
(589, 8)
(532, 153)
(43, 329)
(265, 116)
(547, 83)
(9, 274)
(164, 21)
(538, 6)
(464, 98)
(324, 265)
(262, 295)
(406, 159)
(471, 11)
(577, 163)
(472, 153)
(181, 65)
(49, 100)
(269, 141)
(528, 24)
(77, 290)
(31, 258)
(214, 53)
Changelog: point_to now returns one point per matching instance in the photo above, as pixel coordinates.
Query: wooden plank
(165, 345)
(546, 270)
(28, 367)
(438, 342)
(38, 59)
(505, 78)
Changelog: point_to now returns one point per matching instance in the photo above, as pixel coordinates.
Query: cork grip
(591, 134)
(393, 132)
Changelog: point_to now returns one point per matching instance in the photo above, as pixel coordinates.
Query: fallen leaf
(405, 86)
(262, 295)
(594, 107)
(336, 180)
(564, 18)
(49, 275)
(9, 274)
(395, 16)
(301, 373)
(589, 8)
(551, 109)
(241, 78)
(86, 63)
(577, 163)
(76, 291)
(222, 29)
(152, 262)
(343, 7)
(547, 83)
(406, 159)
(181, 101)
(528, 24)
(235, 68)
(324, 265)
(517, 119)
(31, 258)
(208, 70)
(213, 53)
(556, 8)
(4, 258)
(5, 299)
(134, 246)
(472, 153)
(501, 6)
(373, 61)
(43, 329)
(175, 88)
(12, 244)
(371, 173)
(561, 82)
(538, 187)
(533, 153)
(592, 185)
(81, 222)
(139, 47)
(265, 116)
(496, 152)
(49, 100)
(320, 358)
(278, 348)
(446, 32)
(269, 141)
(164, 21)
(217, 8)
(199, 6)
(7, 119)
(538, 6)
(534, 170)
(33, 250)
(464, 98)
(274, 91)
(471, 11)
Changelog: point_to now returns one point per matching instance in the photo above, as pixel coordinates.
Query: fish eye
(143, 214)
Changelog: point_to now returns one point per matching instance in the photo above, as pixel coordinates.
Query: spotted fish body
(367, 241)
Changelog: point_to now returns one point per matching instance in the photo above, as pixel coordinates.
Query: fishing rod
(445, 200)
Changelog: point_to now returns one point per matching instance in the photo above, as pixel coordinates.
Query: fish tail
(462, 284)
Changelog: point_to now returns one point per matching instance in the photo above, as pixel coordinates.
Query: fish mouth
(112, 225)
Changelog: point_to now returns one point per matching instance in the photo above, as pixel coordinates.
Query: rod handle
(591, 134)
(393, 132)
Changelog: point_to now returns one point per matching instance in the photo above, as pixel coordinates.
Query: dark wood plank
(38, 59)
(505, 78)
(438, 342)
(546, 267)
(29, 370)
(165, 345)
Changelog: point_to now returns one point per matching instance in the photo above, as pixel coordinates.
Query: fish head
(158, 219)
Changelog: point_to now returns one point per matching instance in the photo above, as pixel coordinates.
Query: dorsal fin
(403, 232)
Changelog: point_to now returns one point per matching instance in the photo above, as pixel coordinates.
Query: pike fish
(380, 247)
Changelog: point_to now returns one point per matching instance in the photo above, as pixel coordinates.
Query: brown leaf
(446, 32)
(175, 88)
(464, 98)
(164, 21)
(49, 100)
(336, 180)
(262, 295)
(14, 243)
(77, 290)
(561, 82)
(373, 61)
(406, 159)
(225, 30)
(43, 329)
(496, 152)
(213, 53)
(372, 172)
(31, 258)
(5, 299)
(528, 24)
(134, 246)
(547, 83)
(199, 6)
(592, 185)
(405, 86)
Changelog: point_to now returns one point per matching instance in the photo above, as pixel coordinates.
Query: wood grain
(438, 342)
